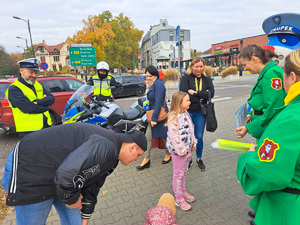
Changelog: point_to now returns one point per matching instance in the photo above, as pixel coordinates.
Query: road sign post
(44, 66)
(178, 43)
(82, 56)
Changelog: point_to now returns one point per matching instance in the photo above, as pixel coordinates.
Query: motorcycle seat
(131, 114)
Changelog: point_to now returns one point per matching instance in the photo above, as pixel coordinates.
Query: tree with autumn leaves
(116, 40)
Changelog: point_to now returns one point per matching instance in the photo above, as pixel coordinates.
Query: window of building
(43, 59)
(181, 36)
(41, 49)
(171, 36)
(60, 67)
(171, 46)
(56, 58)
(54, 68)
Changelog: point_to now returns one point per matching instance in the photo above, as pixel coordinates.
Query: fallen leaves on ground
(4, 209)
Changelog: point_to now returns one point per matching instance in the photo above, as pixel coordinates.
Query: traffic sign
(44, 66)
(177, 35)
(82, 56)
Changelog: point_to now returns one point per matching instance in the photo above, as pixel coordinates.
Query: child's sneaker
(183, 204)
(187, 197)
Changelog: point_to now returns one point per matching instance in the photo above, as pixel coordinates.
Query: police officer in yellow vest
(29, 100)
(102, 83)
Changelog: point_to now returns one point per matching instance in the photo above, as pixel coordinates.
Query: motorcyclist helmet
(102, 66)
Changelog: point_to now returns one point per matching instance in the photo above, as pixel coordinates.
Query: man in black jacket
(65, 165)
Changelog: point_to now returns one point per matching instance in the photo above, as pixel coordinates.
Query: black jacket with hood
(63, 161)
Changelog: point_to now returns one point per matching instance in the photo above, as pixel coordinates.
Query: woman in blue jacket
(156, 96)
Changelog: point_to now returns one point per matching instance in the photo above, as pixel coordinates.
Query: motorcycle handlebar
(94, 99)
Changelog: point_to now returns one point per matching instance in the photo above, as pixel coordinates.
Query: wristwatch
(195, 92)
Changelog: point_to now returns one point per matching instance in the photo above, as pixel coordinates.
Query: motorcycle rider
(102, 83)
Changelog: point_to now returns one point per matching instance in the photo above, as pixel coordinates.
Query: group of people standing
(269, 170)
(182, 132)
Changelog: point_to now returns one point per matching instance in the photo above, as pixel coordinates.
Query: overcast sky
(210, 21)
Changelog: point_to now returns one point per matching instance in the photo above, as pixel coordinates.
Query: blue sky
(210, 21)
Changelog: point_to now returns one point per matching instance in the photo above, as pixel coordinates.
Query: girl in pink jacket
(181, 142)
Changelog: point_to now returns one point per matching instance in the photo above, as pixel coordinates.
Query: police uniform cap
(283, 23)
(31, 64)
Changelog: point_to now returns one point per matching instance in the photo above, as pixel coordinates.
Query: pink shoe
(183, 204)
(187, 197)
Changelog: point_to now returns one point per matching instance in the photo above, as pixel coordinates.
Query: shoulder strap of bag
(209, 97)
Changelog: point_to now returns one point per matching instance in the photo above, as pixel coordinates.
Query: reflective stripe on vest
(29, 121)
(102, 87)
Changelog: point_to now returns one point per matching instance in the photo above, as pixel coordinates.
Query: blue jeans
(199, 122)
(37, 213)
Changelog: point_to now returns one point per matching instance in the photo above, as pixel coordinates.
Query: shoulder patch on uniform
(267, 150)
(276, 83)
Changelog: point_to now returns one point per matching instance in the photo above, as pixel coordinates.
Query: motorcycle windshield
(80, 97)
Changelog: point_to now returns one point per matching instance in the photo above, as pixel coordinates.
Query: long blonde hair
(177, 99)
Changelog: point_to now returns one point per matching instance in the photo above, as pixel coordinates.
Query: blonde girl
(180, 142)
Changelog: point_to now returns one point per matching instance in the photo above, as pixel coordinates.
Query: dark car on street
(62, 88)
(132, 85)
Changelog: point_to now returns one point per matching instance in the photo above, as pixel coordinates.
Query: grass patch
(4, 209)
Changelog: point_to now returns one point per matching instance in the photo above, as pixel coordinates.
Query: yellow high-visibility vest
(29, 121)
(102, 87)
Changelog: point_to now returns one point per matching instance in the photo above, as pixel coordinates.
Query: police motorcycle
(84, 107)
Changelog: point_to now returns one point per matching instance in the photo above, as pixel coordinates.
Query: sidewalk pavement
(127, 193)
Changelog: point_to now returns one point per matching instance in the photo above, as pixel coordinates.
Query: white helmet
(102, 66)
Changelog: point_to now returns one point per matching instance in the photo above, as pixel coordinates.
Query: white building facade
(158, 46)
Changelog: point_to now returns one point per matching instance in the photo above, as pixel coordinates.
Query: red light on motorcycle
(144, 82)
(4, 103)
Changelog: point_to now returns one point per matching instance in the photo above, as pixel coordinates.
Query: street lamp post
(26, 44)
(27, 21)
(23, 48)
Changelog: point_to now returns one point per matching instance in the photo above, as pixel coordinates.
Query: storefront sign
(234, 49)
(217, 48)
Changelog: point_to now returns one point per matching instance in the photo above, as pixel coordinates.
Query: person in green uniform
(270, 171)
(267, 92)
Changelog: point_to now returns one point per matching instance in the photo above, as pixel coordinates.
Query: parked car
(132, 85)
(62, 88)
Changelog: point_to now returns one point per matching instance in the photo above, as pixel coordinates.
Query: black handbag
(211, 120)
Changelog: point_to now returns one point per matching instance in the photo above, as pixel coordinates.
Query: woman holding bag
(156, 96)
(198, 86)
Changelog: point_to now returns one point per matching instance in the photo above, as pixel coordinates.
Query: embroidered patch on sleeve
(267, 150)
(276, 83)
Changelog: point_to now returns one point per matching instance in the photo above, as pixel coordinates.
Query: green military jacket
(273, 166)
(268, 93)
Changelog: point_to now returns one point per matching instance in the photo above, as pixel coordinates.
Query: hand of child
(194, 148)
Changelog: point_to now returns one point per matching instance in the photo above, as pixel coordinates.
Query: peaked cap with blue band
(284, 23)
(31, 64)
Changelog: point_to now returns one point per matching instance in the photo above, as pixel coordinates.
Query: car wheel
(53, 118)
(140, 91)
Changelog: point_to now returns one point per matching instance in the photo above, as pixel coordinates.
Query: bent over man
(65, 166)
